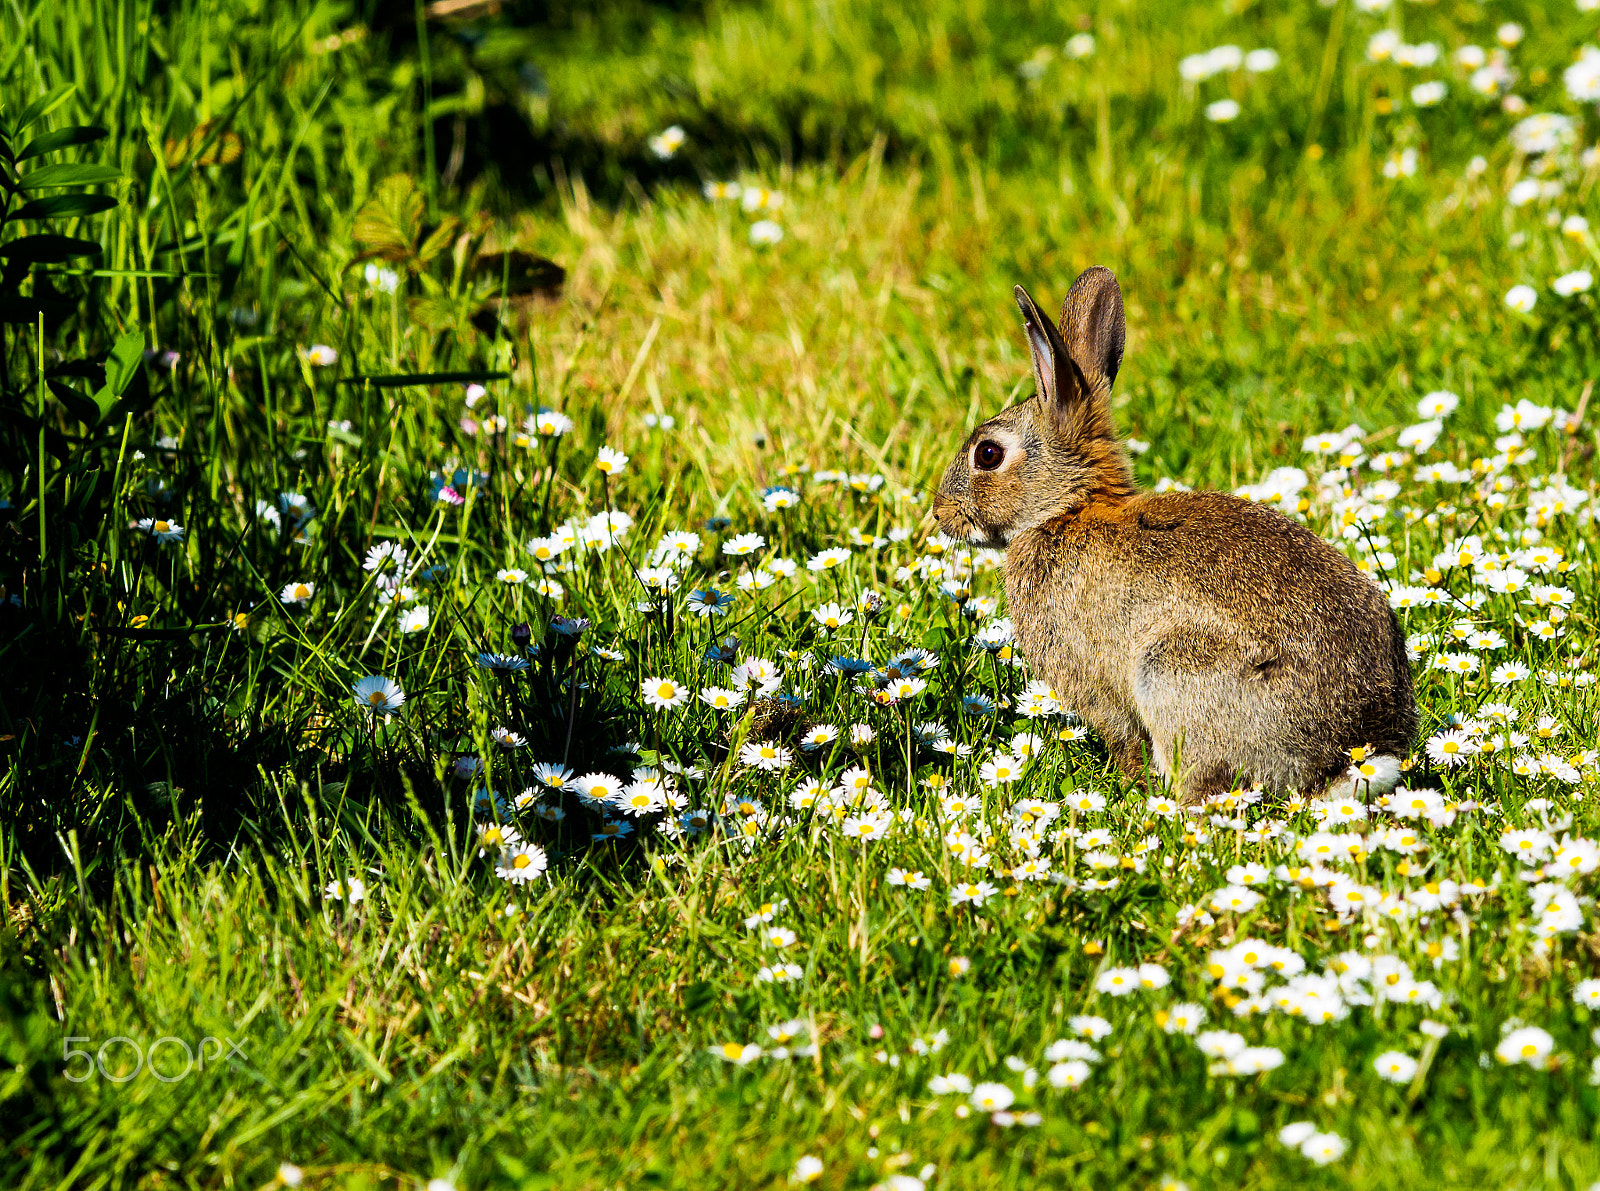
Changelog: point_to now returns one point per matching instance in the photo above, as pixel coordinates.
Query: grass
(182, 788)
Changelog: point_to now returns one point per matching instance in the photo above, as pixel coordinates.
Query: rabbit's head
(1057, 452)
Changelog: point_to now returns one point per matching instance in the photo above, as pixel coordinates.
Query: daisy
(1072, 1074)
(766, 755)
(664, 145)
(827, 560)
(546, 549)
(611, 829)
(1027, 744)
(352, 889)
(830, 616)
(917, 880)
(570, 626)
(764, 232)
(663, 694)
(1573, 283)
(162, 531)
(1183, 1018)
(610, 461)
(551, 424)
(1509, 674)
(297, 593)
(743, 544)
(680, 544)
(779, 973)
(640, 798)
(992, 1097)
(385, 556)
(503, 662)
(1000, 770)
(819, 736)
(1153, 976)
(414, 620)
(597, 789)
(721, 698)
(1323, 1148)
(1090, 1026)
(709, 602)
(759, 198)
(1118, 982)
(1529, 1045)
(292, 504)
(867, 827)
(378, 694)
(734, 1052)
(552, 776)
(906, 688)
(1395, 1067)
(521, 864)
(973, 893)
(1450, 748)
(507, 739)
(855, 780)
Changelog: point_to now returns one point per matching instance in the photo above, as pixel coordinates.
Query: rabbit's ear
(1087, 353)
(1044, 342)
(1094, 330)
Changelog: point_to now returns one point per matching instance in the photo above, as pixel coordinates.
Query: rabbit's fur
(1210, 638)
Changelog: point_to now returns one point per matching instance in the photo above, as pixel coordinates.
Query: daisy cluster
(832, 681)
(952, 777)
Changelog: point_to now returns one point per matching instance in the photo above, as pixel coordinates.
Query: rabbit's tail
(1381, 777)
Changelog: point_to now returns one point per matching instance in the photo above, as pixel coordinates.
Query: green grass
(180, 788)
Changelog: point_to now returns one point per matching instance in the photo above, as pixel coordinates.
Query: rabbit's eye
(989, 455)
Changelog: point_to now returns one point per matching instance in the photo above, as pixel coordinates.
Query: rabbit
(1206, 637)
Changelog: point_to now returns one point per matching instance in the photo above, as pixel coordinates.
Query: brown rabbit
(1211, 638)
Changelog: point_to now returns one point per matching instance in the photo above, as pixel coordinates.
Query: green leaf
(64, 206)
(388, 224)
(436, 313)
(123, 363)
(68, 174)
(44, 105)
(48, 249)
(439, 239)
(79, 404)
(61, 138)
(400, 381)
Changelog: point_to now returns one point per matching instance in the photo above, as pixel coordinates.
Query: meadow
(485, 702)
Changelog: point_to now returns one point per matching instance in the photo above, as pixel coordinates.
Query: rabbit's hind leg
(1202, 724)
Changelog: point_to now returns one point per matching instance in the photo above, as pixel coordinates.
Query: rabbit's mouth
(960, 524)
